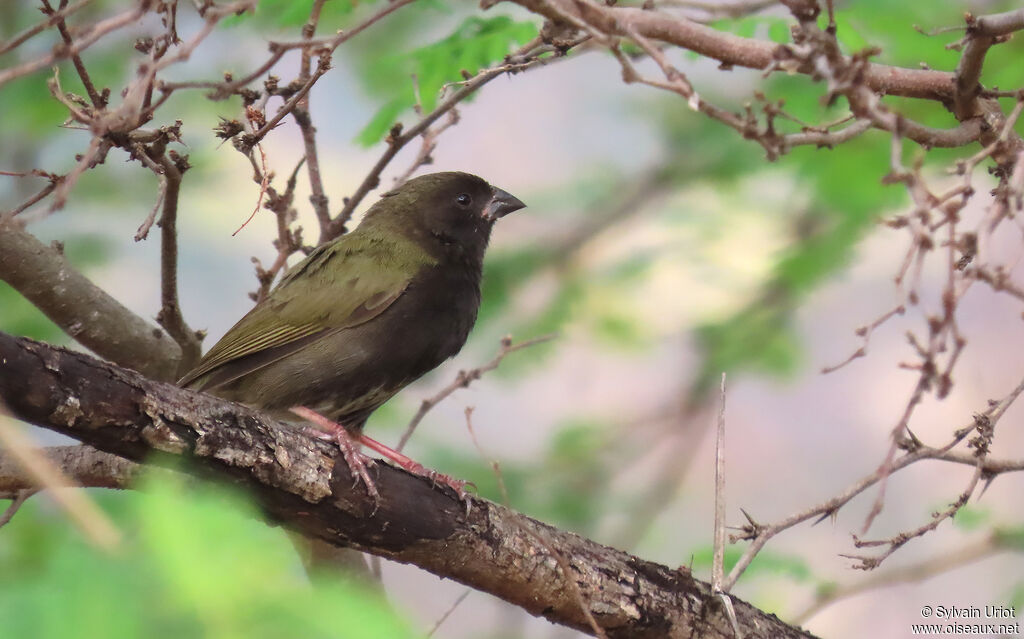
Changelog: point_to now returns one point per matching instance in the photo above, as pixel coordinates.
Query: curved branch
(302, 483)
(84, 311)
(730, 49)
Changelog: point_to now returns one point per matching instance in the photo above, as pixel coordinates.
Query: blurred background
(659, 246)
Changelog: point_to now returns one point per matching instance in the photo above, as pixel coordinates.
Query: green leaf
(778, 31)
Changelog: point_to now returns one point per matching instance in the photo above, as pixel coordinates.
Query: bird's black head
(451, 214)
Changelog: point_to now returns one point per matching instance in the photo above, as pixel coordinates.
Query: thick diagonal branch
(84, 311)
(304, 485)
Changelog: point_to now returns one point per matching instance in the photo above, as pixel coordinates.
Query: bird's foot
(416, 468)
(356, 460)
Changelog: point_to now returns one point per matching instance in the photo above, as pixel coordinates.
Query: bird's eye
(463, 199)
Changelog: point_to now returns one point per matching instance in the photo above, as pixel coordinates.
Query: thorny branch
(997, 541)
(982, 424)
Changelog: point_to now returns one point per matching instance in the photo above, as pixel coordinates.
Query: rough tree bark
(304, 485)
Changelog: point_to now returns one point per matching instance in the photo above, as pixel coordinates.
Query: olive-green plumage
(367, 314)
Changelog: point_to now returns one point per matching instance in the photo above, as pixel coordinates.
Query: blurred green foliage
(196, 561)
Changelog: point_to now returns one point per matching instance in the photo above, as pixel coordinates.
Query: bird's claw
(440, 479)
(358, 467)
(326, 429)
(357, 462)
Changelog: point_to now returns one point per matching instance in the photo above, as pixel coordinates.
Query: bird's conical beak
(502, 203)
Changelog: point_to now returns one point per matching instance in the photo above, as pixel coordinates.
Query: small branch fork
(982, 426)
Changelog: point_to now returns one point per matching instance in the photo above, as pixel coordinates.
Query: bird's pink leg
(357, 461)
(414, 467)
(349, 447)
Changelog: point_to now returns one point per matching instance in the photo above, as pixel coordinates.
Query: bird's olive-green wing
(337, 286)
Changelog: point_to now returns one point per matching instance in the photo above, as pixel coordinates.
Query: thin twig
(427, 146)
(919, 571)
(495, 466)
(39, 27)
(398, 141)
(759, 534)
(447, 613)
(464, 379)
(322, 67)
(35, 199)
(301, 114)
(83, 74)
(718, 561)
(85, 38)
(170, 316)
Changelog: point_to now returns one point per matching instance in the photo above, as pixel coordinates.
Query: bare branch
(85, 38)
(731, 50)
(85, 312)
(464, 379)
(945, 562)
(170, 316)
(94, 96)
(519, 61)
(39, 27)
(717, 571)
(301, 114)
(759, 534)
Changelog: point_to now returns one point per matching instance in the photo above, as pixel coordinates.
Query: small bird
(365, 315)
